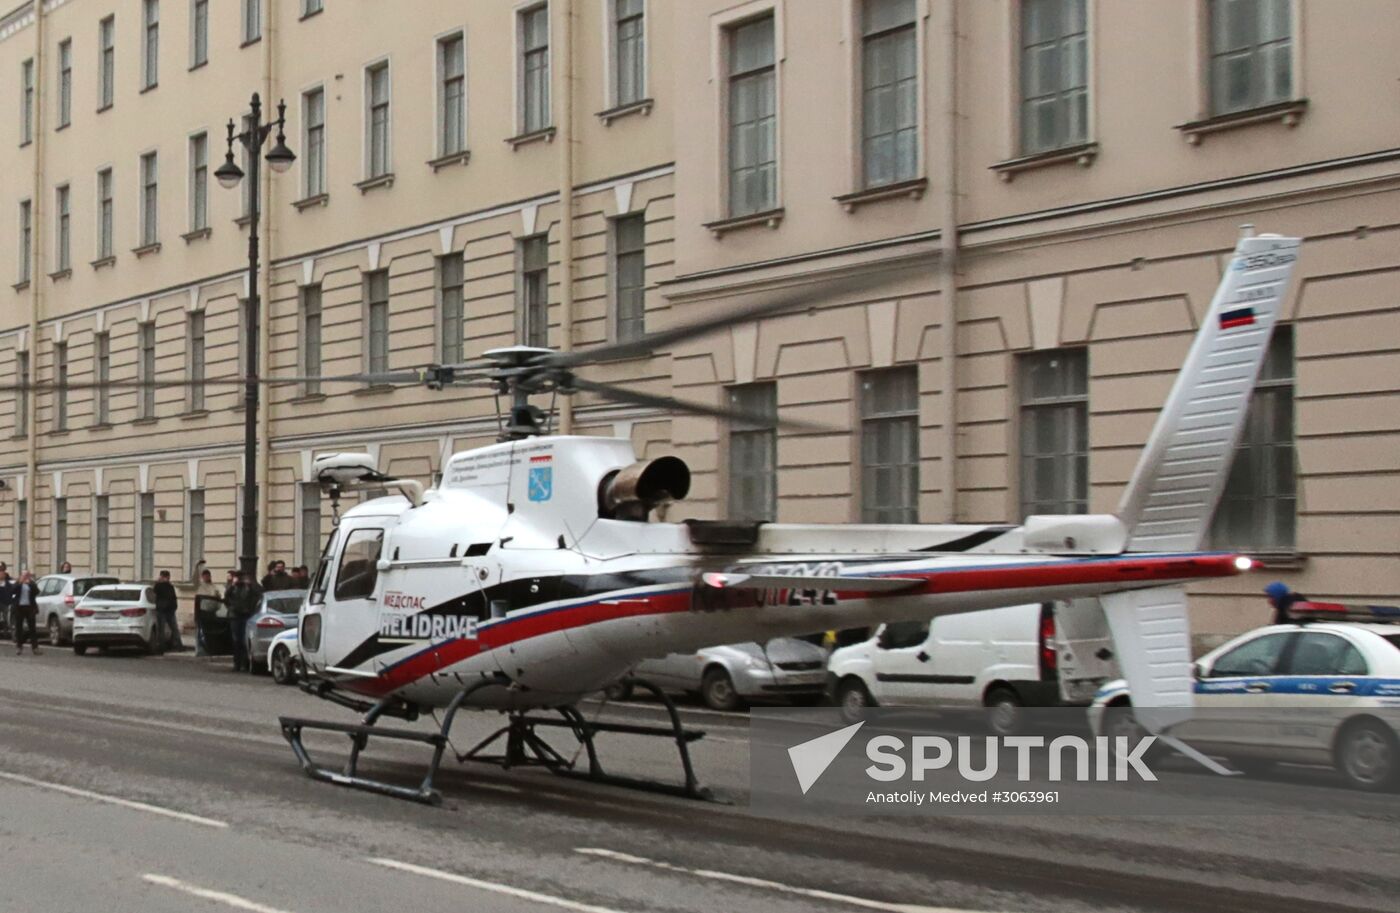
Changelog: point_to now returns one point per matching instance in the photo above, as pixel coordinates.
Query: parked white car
(1311, 692)
(58, 594)
(115, 615)
(284, 660)
(1003, 659)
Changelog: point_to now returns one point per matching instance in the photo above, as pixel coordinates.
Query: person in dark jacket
(1282, 599)
(26, 611)
(277, 577)
(244, 599)
(9, 595)
(167, 604)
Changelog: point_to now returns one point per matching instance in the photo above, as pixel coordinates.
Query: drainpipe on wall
(948, 264)
(269, 236)
(37, 236)
(565, 62)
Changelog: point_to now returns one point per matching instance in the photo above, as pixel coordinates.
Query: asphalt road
(164, 784)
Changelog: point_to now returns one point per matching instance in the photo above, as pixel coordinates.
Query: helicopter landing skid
(524, 747)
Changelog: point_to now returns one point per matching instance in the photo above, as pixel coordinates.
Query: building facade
(1022, 206)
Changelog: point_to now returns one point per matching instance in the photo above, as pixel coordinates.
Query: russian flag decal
(1236, 317)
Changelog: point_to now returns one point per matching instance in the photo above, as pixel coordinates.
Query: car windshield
(83, 584)
(116, 594)
(284, 605)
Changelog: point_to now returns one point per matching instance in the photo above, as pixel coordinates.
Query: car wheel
(618, 691)
(55, 632)
(80, 649)
(1367, 755)
(283, 673)
(853, 698)
(717, 690)
(1004, 706)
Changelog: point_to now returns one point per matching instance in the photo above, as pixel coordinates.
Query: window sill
(199, 65)
(320, 199)
(145, 420)
(308, 398)
(243, 221)
(1288, 113)
(769, 217)
(383, 180)
(250, 42)
(1082, 154)
(146, 249)
(642, 107)
(535, 136)
(103, 262)
(20, 436)
(58, 432)
(374, 390)
(914, 190)
(101, 426)
(20, 285)
(199, 234)
(58, 275)
(452, 158)
(190, 415)
(63, 126)
(104, 108)
(305, 16)
(24, 143)
(151, 88)
(1277, 561)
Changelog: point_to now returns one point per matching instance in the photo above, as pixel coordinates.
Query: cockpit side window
(359, 570)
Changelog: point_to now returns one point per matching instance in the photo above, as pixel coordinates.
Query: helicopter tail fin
(1174, 490)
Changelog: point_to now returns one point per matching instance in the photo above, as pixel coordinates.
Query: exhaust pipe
(634, 491)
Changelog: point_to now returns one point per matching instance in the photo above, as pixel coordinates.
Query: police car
(1322, 689)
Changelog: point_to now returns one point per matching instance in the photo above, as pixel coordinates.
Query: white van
(1036, 655)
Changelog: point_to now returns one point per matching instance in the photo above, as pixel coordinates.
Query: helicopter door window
(323, 572)
(359, 569)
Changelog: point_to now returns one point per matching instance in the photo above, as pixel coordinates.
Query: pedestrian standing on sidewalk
(208, 589)
(26, 611)
(167, 625)
(244, 599)
(9, 595)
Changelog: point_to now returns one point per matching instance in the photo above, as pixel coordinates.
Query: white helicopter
(532, 576)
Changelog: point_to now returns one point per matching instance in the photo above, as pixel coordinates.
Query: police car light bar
(1337, 611)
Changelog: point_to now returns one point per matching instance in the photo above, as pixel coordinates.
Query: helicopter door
(309, 639)
(344, 594)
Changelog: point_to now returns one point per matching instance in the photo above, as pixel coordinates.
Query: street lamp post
(279, 158)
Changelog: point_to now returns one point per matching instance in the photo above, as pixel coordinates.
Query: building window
(101, 532)
(629, 276)
(308, 7)
(194, 526)
(63, 231)
(26, 239)
(1054, 432)
(65, 82)
(1258, 508)
(252, 21)
(147, 546)
(199, 182)
(22, 532)
(150, 225)
(199, 34)
(377, 318)
(150, 44)
(753, 119)
(146, 370)
(22, 394)
(104, 213)
(196, 360)
(102, 372)
(310, 519)
(245, 332)
(889, 92)
(313, 168)
(106, 62)
(1251, 54)
(310, 339)
(534, 68)
(26, 102)
(534, 291)
(1054, 75)
(250, 161)
(60, 531)
(60, 393)
(450, 306)
(889, 441)
(629, 46)
(452, 94)
(377, 120)
(753, 453)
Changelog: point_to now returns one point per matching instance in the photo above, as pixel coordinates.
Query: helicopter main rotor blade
(664, 338)
(386, 378)
(671, 404)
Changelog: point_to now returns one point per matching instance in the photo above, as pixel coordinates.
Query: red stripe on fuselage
(936, 582)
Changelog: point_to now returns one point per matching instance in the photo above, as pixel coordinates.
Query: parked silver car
(279, 612)
(58, 594)
(785, 668)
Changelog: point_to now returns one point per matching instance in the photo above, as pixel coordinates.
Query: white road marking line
(492, 886)
(495, 788)
(764, 883)
(231, 900)
(113, 800)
